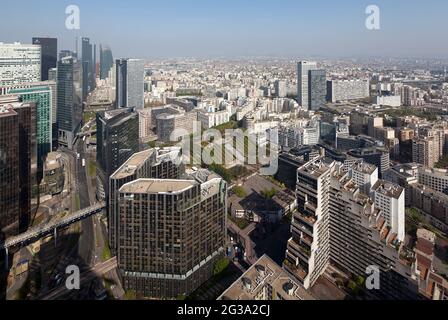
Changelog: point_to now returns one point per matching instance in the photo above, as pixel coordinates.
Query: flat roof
(131, 165)
(388, 189)
(145, 186)
(266, 272)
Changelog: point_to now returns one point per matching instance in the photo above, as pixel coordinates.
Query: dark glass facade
(69, 100)
(117, 138)
(49, 47)
(106, 62)
(9, 171)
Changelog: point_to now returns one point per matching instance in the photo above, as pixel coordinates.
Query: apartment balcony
(308, 220)
(306, 239)
(296, 270)
(299, 250)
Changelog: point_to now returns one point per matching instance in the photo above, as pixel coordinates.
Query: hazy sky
(212, 28)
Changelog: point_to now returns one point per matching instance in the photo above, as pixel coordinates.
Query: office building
(173, 120)
(152, 163)
(106, 62)
(336, 223)
(49, 49)
(9, 171)
(88, 66)
(41, 94)
(317, 89)
(19, 63)
(117, 138)
(129, 83)
(69, 100)
(20, 118)
(303, 69)
(180, 229)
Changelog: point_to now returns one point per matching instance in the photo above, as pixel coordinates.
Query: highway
(86, 242)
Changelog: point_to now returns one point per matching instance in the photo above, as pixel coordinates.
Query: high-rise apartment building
(336, 223)
(346, 90)
(19, 63)
(117, 138)
(130, 83)
(317, 89)
(151, 163)
(378, 156)
(425, 151)
(281, 89)
(303, 69)
(390, 199)
(49, 49)
(365, 175)
(69, 100)
(180, 229)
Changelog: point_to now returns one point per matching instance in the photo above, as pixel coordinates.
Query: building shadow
(40, 272)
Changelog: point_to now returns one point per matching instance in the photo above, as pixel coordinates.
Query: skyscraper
(117, 138)
(19, 63)
(171, 233)
(88, 67)
(18, 153)
(49, 49)
(130, 83)
(317, 89)
(9, 171)
(53, 77)
(69, 100)
(303, 68)
(106, 62)
(42, 95)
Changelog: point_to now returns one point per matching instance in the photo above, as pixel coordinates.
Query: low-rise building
(266, 280)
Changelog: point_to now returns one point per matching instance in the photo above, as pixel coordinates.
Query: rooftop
(388, 189)
(364, 167)
(132, 164)
(147, 186)
(263, 273)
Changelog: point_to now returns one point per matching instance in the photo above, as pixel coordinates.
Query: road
(86, 277)
(87, 238)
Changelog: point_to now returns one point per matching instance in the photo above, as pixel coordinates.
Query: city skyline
(224, 150)
(236, 29)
